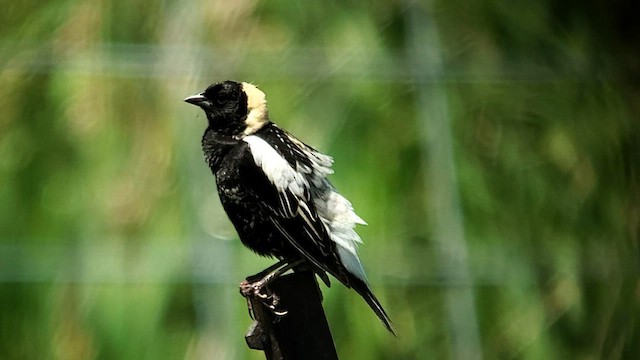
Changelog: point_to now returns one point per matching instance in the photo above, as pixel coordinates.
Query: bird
(274, 189)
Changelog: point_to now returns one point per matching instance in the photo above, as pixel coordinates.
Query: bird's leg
(260, 289)
(245, 285)
(266, 271)
(262, 279)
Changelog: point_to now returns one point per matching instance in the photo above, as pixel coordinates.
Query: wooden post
(303, 333)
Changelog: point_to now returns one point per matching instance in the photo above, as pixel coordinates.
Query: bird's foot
(257, 286)
(260, 291)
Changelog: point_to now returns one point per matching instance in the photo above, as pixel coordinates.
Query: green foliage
(113, 244)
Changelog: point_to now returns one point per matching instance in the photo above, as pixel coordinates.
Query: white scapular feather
(275, 167)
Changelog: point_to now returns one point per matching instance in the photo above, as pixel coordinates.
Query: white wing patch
(275, 167)
(335, 211)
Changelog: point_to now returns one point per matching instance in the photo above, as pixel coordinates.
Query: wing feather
(293, 211)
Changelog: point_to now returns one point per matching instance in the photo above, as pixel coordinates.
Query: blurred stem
(434, 124)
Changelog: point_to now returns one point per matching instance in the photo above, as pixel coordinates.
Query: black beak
(197, 100)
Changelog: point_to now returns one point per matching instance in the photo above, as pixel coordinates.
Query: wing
(289, 179)
(288, 193)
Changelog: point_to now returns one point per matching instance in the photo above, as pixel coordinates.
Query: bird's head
(232, 108)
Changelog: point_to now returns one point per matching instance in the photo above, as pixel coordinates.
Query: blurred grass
(113, 244)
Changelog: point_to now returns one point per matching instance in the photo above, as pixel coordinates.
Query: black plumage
(274, 189)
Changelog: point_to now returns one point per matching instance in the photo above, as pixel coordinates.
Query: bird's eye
(220, 100)
(223, 98)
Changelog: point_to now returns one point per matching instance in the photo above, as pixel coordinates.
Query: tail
(363, 289)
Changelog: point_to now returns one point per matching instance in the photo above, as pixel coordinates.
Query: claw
(259, 290)
(250, 309)
(274, 306)
(280, 312)
(257, 286)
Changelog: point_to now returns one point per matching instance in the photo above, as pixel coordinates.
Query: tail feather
(363, 289)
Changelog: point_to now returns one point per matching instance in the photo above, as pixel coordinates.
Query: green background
(493, 148)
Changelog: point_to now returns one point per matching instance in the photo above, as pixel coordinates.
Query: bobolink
(274, 189)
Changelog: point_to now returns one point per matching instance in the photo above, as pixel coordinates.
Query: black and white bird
(274, 189)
